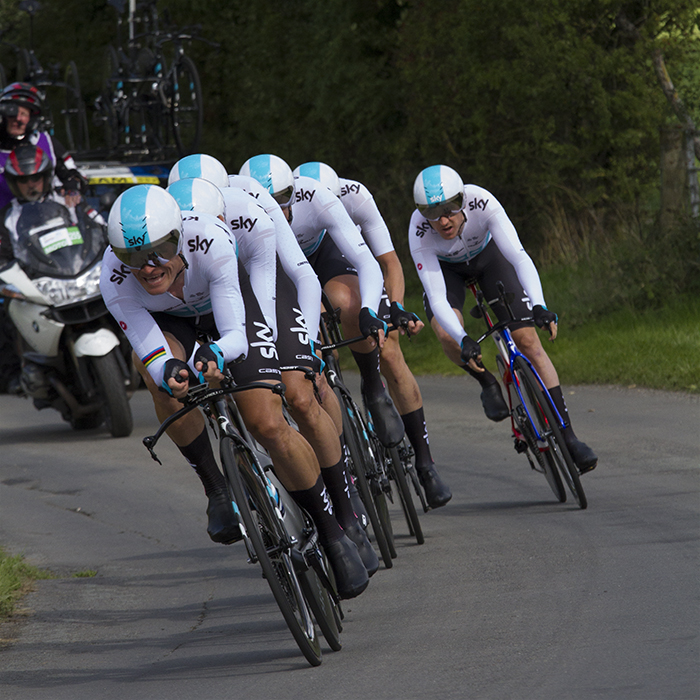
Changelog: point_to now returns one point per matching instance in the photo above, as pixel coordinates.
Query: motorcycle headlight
(62, 291)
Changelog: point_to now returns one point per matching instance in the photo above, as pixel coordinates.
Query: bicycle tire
(266, 535)
(111, 89)
(398, 474)
(560, 456)
(186, 106)
(381, 492)
(324, 609)
(75, 115)
(360, 463)
(25, 71)
(534, 397)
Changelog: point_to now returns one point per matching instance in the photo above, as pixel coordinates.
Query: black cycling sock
(417, 434)
(368, 364)
(558, 398)
(200, 456)
(336, 482)
(317, 503)
(484, 378)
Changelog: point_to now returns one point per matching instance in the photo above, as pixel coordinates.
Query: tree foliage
(547, 103)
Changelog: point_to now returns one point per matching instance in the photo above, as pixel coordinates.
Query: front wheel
(268, 541)
(397, 472)
(111, 387)
(75, 115)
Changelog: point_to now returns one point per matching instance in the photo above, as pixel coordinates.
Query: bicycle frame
(509, 351)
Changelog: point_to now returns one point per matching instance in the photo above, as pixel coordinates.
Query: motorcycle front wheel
(111, 388)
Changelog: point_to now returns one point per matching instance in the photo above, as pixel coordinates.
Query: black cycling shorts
(262, 361)
(328, 262)
(486, 270)
(292, 331)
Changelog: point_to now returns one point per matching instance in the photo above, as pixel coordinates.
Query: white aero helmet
(198, 194)
(272, 173)
(199, 165)
(144, 226)
(438, 191)
(321, 172)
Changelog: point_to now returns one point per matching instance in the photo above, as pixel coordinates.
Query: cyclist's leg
(343, 290)
(405, 392)
(191, 438)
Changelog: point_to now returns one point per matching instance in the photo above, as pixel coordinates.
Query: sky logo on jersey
(198, 243)
(241, 223)
(478, 204)
(153, 356)
(302, 195)
(422, 229)
(349, 189)
(118, 276)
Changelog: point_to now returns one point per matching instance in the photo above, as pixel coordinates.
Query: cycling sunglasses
(159, 254)
(24, 179)
(433, 212)
(284, 198)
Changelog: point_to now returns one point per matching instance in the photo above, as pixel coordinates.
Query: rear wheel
(269, 542)
(111, 386)
(397, 472)
(186, 106)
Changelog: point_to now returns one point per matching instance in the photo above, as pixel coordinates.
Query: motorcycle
(75, 357)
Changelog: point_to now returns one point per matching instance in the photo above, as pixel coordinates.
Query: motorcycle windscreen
(49, 243)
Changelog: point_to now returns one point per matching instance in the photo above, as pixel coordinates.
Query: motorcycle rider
(20, 110)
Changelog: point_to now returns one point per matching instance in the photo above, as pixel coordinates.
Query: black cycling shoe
(351, 577)
(385, 418)
(369, 557)
(223, 525)
(495, 407)
(437, 492)
(584, 458)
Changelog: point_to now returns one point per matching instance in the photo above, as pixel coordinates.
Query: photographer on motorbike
(20, 110)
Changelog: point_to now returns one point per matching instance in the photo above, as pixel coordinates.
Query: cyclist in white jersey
(262, 259)
(460, 234)
(169, 276)
(403, 387)
(349, 275)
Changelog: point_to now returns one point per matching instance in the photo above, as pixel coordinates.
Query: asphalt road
(512, 596)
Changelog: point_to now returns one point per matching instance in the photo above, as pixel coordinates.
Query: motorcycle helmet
(273, 174)
(199, 165)
(438, 191)
(321, 172)
(29, 165)
(197, 194)
(144, 226)
(17, 95)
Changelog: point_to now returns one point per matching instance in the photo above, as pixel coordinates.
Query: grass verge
(16, 577)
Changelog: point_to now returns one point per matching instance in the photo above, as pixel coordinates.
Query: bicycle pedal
(520, 446)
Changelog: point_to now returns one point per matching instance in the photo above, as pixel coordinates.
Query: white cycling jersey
(210, 286)
(486, 220)
(293, 260)
(317, 212)
(362, 209)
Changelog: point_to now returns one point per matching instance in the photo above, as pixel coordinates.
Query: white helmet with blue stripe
(198, 194)
(272, 173)
(438, 191)
(199, 165)
(321, 172)
(144, 224)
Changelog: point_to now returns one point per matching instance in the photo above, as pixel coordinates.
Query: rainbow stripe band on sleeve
(152, 356)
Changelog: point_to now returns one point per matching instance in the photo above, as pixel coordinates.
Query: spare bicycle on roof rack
(151, 97)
